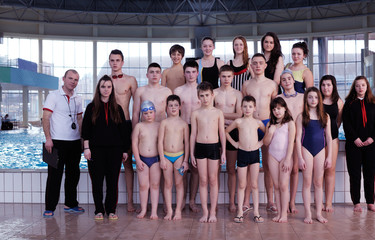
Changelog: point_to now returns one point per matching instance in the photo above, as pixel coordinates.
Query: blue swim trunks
(260, 132)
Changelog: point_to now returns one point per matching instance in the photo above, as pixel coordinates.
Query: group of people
(206, 113)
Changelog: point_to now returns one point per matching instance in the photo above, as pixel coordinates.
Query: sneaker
(99, 216)
(112, 216)
(74, 210)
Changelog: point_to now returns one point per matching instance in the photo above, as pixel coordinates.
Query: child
(206, 123)
(280, 133)
(173, 77)
(313, 131)
(145, 150)
(248, 155)
(173, 146)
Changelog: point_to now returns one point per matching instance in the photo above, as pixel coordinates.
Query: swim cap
(147, 106)
(287, 71)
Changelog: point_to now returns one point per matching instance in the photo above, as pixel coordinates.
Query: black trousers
(357, 159)
(105, 163)
(69, 156)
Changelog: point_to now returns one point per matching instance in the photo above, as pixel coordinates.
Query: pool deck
(25, 221)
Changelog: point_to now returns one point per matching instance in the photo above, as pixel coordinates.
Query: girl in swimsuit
(271, 49)
(302, 75)
(240, 63)
(333, 106)
(280, 133)
(208, 65)
(313, 133)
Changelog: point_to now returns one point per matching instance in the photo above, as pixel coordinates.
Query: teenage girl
(302, 75)
(313, 134)
(271, 49)
(280, 133)
(240, 63)
(358, 118)
(333, 106)
(208, 65)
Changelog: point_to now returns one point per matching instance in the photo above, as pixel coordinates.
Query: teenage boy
(228, 100)
(173, 77)
(206, 123)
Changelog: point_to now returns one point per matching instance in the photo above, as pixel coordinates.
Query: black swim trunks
(234, 135)
(246, 158)
(207, 150)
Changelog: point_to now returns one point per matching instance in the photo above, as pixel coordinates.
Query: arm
(134, 86)
(244, 86)
(193, 137)
(279, 69)
(220, 63)
(136, 107)
(230, 128)
(340, 105)
(163, 164)
(86, 150)
(46, 129)
(270, 130)
(287, 162)
(328, 136)
(301, 161)
(349, 130)
(238, 111)
(164, 78)
(185, 163)
(275, 91)
(308, 78)
(135, 141)
(250, 69)
(222, 136)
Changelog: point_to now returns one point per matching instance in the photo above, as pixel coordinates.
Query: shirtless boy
(248, 155)
(189, 103)
(206, 123)
(174, 76)
(125, 87)
(228, 100)
(173, 146)
(153, 92)
(145, 150)
(263, 90)
(294, 101)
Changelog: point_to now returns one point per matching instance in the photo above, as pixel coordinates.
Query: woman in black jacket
(106, 142)
(359, 126)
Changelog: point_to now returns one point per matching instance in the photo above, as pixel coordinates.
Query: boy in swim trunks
(228, 100)
(248, 155)
(145, 150)
(263, 90)
(173, 146)
(206, 123)
(173, 77)
(294, 101)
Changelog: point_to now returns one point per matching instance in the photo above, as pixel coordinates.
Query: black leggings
(357, 158)
(105, 163)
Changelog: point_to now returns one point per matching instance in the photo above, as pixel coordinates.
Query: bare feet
(232, 208)
(203, 219)
(276, 219)
(357, 208)
(371, 207)
(131, 207)
(328, 208)
(177, 216)
(292, 208)
(193, 207)
(141, 214)
(168, 216)
(283, 219)
(154, 217)
(308, 220)
(321, 219)
(212, 219)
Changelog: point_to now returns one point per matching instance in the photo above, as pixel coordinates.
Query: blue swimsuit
(313, 137)
(149, 160)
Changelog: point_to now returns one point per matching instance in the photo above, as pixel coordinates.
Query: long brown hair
(113, 107)
(287, 117)
(369, 97)
(245, 54)
(276, 51)
(322, 116)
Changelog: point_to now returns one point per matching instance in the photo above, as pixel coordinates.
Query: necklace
(290, 95)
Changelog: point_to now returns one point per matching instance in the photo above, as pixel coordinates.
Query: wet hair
(205, 86)
(303, 46)
(275, 52)
(248, 98)
(335, 95)
(207, 38)
(155, 65)
(177, 48)
(117, 52)
(113, 107)
(226, 68)
(70, 70)
(352, 95)
(322, 116)
(192, 64)
(287, 117)
(259, 55)
(245, 54)
(174, 97)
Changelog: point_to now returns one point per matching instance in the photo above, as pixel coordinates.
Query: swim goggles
(152, 108)
(117, 76)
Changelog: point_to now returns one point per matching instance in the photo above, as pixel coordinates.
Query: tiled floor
(24, 221)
